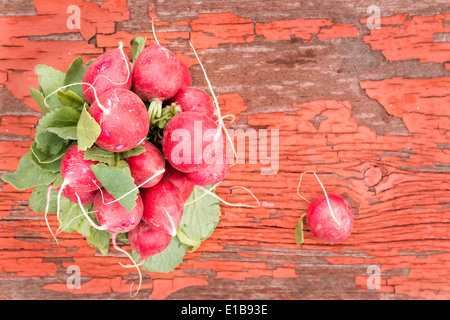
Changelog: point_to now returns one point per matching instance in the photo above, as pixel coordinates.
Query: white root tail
(217, 108)
(209, 192)
(324, 191)
(134, 264)
(49, 191)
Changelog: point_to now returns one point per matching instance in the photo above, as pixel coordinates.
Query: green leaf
(75, 74)
(133, 152)
(38, 199)
(28, 175)
(99, 239)
(67, 133)
(55, 129)
(137, 45)
(101, 155)
(71, 99)
(165, 261)
(193, 244)
(46, 161)
(38, 97)
(50, 80)
(201, 217)
(299, 230)
(88, 130)
(117, 181)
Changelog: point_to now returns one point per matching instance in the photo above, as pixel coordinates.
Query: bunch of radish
(120, 148)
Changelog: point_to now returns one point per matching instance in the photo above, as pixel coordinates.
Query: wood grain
(367, 109)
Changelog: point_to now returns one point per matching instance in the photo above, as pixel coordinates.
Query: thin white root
(75, 84)
(59, 230)
(228, 203)
(58, 199)
(173, 233)
(159, 172)
(154, 33)
(217, 107)
(324, 191)
(124, 57)
(101, 228)
(134, 264)
(49, 191)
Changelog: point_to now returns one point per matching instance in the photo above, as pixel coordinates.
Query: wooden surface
(367, 109)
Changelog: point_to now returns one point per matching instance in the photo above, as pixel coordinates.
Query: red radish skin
(322, 224)
(186, 79)
(163, 206)
(113, 216)
(147, 241)
(76, 171)
(85, 197)
(146, 165)
(190, 141)
(180, 180)
(124, 123)
(108, 71)
(194, 99)
(157, 74)
(212, 174)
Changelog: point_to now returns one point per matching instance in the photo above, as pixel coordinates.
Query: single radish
(147, 241)
(191, 140)
(193, 99)
(146, 165)
(110, 70)
(163, 206)
(186, 79)
(113, 217)
(86, 197)
(76, 171)
(323, 225)
(157, 74)
(329, 216)
(123, 120)
(212, 174)
(180, 180)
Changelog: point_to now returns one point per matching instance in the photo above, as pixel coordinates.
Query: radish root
(114, 235)
(324, 191)
(217, 108)
(50, 188)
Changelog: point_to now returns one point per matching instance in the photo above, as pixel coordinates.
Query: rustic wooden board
(367, 109)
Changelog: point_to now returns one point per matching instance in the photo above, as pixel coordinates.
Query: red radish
(86, 197)
(180, 180)
(124, 123)
(146, 165)
(193, 99)
(113, 217)
(326, 227)
(212, 174)
(110, 70)
(329, 216)
(163, 207)
(156, 74)
(190, 141)
(186, 80)
(147, 241)
(76, 171)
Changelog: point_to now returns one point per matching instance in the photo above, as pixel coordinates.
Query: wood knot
(373, 175)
